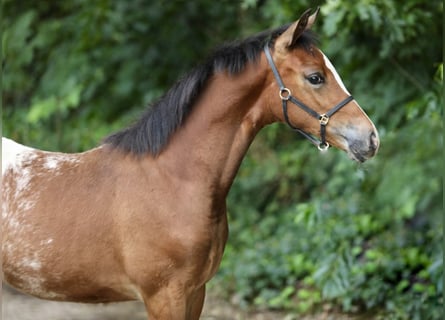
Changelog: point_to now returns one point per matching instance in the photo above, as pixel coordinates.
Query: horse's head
(313, 98)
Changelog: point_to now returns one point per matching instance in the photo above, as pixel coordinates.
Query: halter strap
(286, 95)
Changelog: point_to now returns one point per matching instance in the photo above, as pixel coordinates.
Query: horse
(142, 216)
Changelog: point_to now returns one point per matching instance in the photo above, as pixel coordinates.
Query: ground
(16, 306)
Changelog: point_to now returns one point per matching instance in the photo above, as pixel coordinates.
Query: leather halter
(286, 95)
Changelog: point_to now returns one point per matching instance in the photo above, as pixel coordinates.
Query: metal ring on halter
(287, 94)
(323, 146)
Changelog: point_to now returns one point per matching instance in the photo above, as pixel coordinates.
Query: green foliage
(73, 65)
(307, 229)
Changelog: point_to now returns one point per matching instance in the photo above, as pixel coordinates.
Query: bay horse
(143, 215)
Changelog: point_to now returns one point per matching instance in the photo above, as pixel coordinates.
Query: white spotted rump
(22, 167)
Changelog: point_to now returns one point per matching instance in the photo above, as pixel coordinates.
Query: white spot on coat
(51, 163)
(13, 154)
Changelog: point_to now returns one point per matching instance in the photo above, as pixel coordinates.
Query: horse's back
(11, 152)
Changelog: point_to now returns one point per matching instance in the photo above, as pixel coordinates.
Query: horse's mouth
(357, 156)
(358, 149)
(359, 152)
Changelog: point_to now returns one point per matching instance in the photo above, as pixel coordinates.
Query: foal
(143, 216)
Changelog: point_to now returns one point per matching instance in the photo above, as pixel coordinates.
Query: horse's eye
(315, 78)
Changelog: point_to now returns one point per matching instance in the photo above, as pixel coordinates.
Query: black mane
(151, 133)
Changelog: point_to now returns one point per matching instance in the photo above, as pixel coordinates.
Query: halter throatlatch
(286, 95)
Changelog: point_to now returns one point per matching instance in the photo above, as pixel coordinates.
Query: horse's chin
(354, 153)
(357, 156)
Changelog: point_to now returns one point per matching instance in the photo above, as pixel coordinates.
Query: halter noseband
(286, 95)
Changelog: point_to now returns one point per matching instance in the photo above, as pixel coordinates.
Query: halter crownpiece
(286, 95)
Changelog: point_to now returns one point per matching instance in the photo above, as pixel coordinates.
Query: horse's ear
(291, 35)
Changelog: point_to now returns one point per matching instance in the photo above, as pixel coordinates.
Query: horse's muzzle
(362, 150)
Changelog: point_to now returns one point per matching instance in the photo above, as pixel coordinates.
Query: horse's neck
(208, 149)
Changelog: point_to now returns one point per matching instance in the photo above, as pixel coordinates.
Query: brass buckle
(324, 119)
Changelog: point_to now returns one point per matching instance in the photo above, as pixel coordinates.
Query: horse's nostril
(374, 141)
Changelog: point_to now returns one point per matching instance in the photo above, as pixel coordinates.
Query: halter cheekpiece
(286, 95)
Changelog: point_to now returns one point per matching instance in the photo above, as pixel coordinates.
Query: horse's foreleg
(173, 303)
